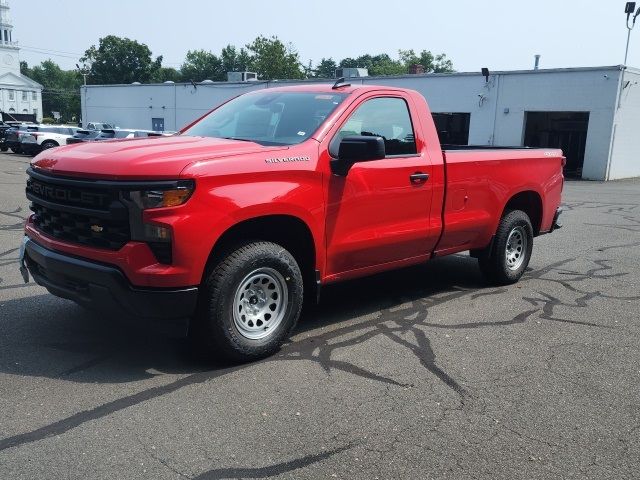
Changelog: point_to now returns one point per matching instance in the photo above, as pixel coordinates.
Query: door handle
(419, 178)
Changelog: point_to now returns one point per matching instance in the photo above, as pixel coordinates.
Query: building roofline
(381, 77)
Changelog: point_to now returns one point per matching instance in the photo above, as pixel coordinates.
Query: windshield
(269, 118)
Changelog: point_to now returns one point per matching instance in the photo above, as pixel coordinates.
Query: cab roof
(328, 88)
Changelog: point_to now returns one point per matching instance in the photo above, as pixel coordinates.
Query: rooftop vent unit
(351, 72)
(242, 76)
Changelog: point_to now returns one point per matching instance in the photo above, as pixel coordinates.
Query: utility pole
(85, 73)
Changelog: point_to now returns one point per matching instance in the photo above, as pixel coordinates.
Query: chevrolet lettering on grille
(61, 194)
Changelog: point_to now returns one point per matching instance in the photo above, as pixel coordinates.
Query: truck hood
(144, 158)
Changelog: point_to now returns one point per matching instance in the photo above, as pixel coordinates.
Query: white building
(593, 114)
(19, 95)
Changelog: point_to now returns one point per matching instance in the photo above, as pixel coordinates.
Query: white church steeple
(9, 50)
(20, 97)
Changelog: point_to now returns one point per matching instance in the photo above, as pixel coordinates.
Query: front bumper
(99, 286)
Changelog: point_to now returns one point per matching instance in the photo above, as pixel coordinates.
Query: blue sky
(499, 34)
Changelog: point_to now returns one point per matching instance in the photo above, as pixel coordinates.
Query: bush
(48, 121)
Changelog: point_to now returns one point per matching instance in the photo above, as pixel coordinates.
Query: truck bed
(481, 179)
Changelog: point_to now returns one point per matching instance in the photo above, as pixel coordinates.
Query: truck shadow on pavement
(44, 336)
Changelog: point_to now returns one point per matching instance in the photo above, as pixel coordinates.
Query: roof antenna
(340, 83)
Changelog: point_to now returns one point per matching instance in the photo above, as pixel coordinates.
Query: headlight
(159, 198)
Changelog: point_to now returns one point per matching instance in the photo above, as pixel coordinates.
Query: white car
(99, 126)
(43, 137)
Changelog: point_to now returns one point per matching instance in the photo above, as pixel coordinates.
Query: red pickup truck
(248, 211)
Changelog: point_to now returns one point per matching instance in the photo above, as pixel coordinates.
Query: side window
(386, 117)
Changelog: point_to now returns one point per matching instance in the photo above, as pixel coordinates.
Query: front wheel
(250, 302)
(505, 261)
(46, 145)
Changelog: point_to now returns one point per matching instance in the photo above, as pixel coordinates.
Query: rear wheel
(17, 150)
(505, 261)
(250, 302)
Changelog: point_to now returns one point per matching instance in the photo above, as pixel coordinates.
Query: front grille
(75, 212)
(82, 229)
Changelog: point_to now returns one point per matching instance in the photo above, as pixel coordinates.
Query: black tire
(16, 150)
(502, 265)
(47, 144)
(4, 149)
(215, 332)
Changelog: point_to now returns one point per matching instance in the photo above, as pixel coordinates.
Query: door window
(385, 117)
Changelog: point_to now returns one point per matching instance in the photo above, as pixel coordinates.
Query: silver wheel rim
(260, 303)
(516, 249)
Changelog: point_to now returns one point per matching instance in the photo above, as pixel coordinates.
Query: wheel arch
(287, 230)
(530, 202)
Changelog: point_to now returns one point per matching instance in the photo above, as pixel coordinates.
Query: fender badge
(96, 228)
(302, 158)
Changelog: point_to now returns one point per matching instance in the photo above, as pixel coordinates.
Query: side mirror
(356, 148)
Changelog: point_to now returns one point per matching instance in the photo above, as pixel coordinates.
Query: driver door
(378, 214)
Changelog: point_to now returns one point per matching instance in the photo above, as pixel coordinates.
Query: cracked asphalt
(424, 373)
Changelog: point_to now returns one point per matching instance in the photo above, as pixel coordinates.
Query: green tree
(271, 59)
(24, 68)
(120, 60)
(164, 74)
(61, 91)
(201, 65)
(432, 64)
(234, 60)
(381, 64)
(326, 68)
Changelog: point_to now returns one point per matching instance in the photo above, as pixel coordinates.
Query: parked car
(43, 137)
(99, 126)
(111, 134)
(82, 135)
(246, 213)
(14, 136)
(3, 130)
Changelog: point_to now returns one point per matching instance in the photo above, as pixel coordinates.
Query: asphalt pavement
(424, 373)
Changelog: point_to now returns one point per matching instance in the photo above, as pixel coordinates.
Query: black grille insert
(80, 214)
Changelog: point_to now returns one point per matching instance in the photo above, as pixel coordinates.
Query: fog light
(157, 233)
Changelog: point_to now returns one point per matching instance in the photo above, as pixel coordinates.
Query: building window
(12, 110)
(24, 96)
(6, 36)
(12, 95)
(24, 110)
(35, 96)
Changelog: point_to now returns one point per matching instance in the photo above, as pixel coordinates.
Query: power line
(44, 52)
(50, 50)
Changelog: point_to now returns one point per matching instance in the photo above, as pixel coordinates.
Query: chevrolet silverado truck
(250, 210)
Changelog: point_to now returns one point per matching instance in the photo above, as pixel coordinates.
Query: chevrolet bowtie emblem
(96, 228)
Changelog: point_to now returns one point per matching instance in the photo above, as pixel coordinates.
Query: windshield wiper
(239, 139)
